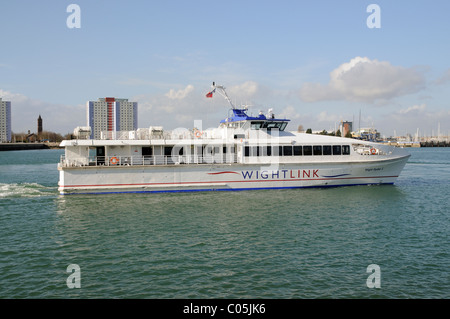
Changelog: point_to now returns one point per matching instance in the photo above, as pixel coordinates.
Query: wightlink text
(282, 174)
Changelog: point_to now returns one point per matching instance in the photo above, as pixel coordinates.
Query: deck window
(147, 151)
(326, 150)
(168, 150)
(287, 150)
(279, 149)
(267, 151)
(297, 150)
(176, 151)
(247, 151)
(336, 150)
(317, 150)
(307, 150)
(345, 149)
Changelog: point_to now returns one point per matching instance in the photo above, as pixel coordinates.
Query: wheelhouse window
(256, 125)
(269, 125)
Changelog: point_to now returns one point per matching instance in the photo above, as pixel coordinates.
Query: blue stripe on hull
(217, 189)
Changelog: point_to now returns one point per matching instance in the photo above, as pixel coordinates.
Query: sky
(314, 62)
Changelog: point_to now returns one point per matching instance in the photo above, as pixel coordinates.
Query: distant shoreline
(27, 146)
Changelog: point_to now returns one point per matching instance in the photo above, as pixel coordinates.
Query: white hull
(207, 177)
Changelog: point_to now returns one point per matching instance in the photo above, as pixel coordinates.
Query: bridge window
(256, 125)
(269, 125)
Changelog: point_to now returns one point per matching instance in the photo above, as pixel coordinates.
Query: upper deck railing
(146, 134)
(146, 160)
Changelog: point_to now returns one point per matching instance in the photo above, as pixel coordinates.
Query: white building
(5, 121)
(110, 115)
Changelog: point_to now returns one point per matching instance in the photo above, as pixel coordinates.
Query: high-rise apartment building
(347, 127)
(109, 115)
(5, 121)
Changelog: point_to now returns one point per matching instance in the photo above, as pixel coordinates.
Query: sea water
(281, 244)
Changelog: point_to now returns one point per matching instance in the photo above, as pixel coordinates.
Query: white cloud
(325, 117)
(409, 119)
(181, 107)
(414, 108)
(177, 108)
(180, 94)
(245, 90)
(289, 112)
(365, 80)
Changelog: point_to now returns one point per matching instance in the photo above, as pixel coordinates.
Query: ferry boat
(243, 153)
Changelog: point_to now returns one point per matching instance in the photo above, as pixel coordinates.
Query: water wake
(15, 190)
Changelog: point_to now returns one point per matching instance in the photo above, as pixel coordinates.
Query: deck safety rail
(145, 134)
(364, 149)
(145, 160)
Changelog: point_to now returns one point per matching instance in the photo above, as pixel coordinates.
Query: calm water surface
(308, 243)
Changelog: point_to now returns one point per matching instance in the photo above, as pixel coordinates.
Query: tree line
(324, 132)
(44, 136)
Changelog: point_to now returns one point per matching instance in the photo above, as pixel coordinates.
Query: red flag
(210, 94)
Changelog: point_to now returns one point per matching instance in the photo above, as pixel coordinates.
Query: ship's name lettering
(278, 174)
(374, 169)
